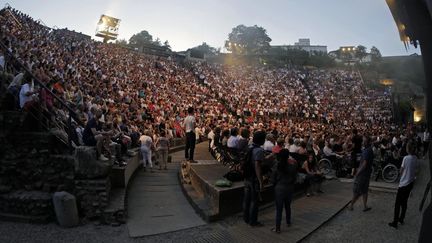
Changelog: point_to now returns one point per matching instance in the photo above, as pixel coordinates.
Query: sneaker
(393, 224)
(276, 230)
(103, 158)
(257, 224)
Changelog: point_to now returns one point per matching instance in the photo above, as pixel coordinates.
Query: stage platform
(210, 201)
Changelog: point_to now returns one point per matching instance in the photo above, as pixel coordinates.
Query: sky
(188, 23)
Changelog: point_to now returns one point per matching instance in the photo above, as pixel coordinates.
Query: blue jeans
(250, 202)
(283, 198)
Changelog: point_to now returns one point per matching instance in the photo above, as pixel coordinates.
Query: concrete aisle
(156, 203)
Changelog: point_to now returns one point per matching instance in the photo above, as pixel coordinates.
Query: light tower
(107, 28)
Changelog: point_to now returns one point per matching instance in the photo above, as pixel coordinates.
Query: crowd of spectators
(133, 93)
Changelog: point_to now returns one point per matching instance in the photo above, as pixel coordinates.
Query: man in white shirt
(189, 126)
(269, 143)
(26, 94)
(233, 139)
(408, 171)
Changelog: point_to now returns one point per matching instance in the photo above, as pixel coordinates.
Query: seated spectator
(225, 137)
(216, 142)
(93, 135)
(233, 139)
(292, 147)
(314, 177)
(243, 142)
(269, 143)
(280, 143)
(329, 153)
(27, 94)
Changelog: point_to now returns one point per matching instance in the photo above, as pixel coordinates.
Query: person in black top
(253, 179)
(93, 135)
(363, 174)
(284, 178)
(217, 137)
(357, 141)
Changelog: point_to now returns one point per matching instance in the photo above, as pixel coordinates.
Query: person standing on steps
(253, 179)
(189, 126)
(146, 149)
(363, 174)
(162, 146)
(406, 183)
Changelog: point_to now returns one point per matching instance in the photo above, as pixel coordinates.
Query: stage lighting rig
(107, 28)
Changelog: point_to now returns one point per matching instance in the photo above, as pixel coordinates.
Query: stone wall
(35, 165)
(92, 196)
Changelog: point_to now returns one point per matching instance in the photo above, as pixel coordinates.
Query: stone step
(43, 219)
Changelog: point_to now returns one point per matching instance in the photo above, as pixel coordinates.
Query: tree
(360, 52)
(248, 40)
(140, 39)
(205, 49)
(166, 44)
(121, 42)
(376, 54)
(157, 42)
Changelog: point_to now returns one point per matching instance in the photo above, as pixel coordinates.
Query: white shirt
(23, 98)
(394, 141)
(189, 123)
(268, 145)
(328, 151)
(146, 141)
(293, 148)
(16, 82)
(409, 165)
(232, 142)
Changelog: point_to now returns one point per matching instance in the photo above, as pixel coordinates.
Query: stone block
(87, 166)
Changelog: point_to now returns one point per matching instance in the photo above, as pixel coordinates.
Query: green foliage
(167, 45)
(360, 52)
(157, 42)
(140, 39)
(121, 42)
(376, 54)
(248, 40)
(203, 50)
(320, 60)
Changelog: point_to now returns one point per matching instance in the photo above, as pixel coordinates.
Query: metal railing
(71, 113)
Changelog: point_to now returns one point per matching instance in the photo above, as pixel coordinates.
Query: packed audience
(135, 93)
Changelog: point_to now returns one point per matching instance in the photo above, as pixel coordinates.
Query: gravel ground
(372, 226)
(19, 232)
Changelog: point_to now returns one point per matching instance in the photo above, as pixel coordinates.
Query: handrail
(72, 113)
